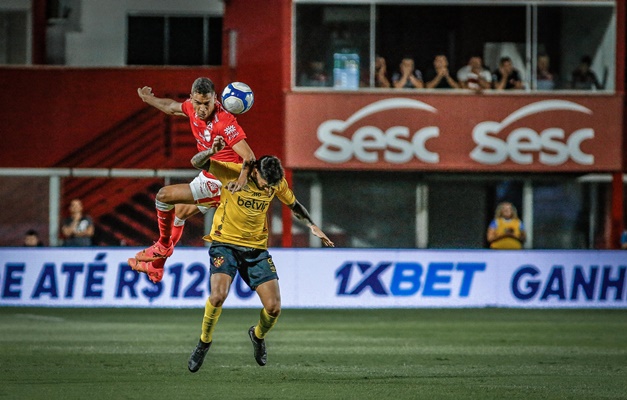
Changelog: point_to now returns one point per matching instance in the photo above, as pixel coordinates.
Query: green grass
(48, 353)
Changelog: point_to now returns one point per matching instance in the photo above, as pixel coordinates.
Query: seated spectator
(506, 77)
(407, 77)
(583, 78)
(474, 75)
(380, 73)
(438, 77)
(315, 75)
(31, 239)
(78, 229)
(506, 231)
(546, 80)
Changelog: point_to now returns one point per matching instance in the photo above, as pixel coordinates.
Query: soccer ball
(237, 97)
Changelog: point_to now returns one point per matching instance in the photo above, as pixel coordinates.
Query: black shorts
(255, 266)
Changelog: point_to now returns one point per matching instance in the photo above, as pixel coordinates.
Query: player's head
(267, 172)
(203, 97)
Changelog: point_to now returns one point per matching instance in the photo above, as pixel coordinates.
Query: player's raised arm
(243, 149)
(168, 106)
(302, 214)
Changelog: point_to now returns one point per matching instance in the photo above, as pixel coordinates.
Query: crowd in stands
(475, 75)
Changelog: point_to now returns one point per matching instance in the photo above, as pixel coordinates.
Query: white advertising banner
(326, 278)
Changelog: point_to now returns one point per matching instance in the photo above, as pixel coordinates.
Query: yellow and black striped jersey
(241, 217)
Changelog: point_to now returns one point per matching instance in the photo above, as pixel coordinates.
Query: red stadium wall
(262, 61)
(48, 113)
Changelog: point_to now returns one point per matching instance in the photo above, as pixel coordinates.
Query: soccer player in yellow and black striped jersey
(239, 237)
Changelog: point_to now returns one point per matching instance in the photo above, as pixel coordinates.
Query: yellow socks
(209, 321)
(266, 322)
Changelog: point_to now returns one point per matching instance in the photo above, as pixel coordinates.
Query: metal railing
(56, 174)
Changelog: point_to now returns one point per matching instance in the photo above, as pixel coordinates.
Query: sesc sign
(453, 132)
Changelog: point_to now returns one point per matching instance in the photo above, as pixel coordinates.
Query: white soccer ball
(237, 97)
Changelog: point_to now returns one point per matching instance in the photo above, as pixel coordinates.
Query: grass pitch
(48, 353)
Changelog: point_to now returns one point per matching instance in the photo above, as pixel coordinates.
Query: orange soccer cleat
(154, 252)
(155, 274)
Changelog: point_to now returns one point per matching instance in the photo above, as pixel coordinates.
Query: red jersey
(223, 123)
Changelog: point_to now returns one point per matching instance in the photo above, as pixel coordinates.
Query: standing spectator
(31, 239)
(583, 78)
(380, 73)
(407, 77)
(506, 231)
(438, 77)
(78, 228)
(474, 76)
(546, 80)
(506, 76)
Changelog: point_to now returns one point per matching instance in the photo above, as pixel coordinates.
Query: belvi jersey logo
(396, 142)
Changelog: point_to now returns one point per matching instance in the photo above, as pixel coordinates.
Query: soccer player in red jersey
(175, 203)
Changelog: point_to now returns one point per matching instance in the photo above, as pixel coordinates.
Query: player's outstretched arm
(302, 214)
(168, 106)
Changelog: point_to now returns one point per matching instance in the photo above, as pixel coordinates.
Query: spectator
(546, 80)
(78, 228)
(623, 240)
(380, 73)
(315, 75)
(506, 77)
(583, 78)
(407, 77)
(438, 77)
(506, 231)
(474, 75)
(31, 239)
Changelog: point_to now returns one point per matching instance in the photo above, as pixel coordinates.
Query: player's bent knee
(273, 309)
(217, 299)
(162, 195)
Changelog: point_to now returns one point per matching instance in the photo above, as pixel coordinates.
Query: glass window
(165, 40)
(543, 43)
(333, 46)
(575, 48)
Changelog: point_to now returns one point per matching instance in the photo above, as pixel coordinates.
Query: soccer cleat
(154, 274)
(259, 347)
(154, 252)
(198, 356)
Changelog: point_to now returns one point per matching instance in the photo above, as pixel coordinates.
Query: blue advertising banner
(326, 278)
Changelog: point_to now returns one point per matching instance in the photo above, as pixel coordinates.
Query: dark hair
(203, 86)
(586, 60)
(504, 59)
(270, 169)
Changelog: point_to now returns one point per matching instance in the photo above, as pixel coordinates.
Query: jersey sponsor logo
(581, 283)
(252, 204)
(407, 278)
(550, 147)
(367, 142)
(207, 134)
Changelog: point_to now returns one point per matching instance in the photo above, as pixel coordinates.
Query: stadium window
(525, 31)
(174, 40)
